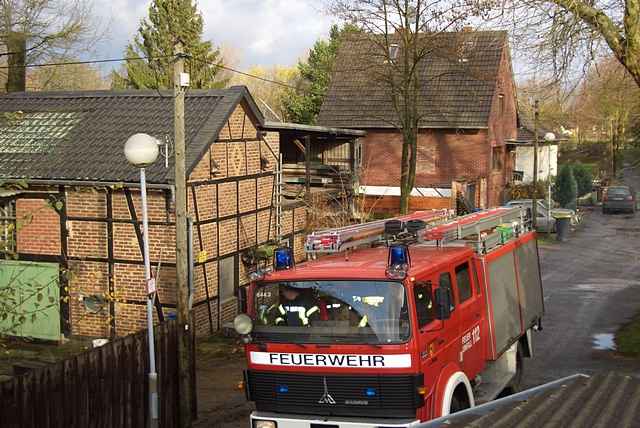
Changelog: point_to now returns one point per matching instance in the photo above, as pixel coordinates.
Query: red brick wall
(38, 230)
(443, 156)
(502, 126)
(390, 204)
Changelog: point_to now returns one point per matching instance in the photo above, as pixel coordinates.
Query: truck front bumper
(301, 421)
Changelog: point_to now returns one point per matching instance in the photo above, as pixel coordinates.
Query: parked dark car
(618, 198)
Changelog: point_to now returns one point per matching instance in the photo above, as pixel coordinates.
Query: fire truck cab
(435, 320)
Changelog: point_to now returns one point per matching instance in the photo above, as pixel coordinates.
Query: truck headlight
(265, 424)
(243, 325)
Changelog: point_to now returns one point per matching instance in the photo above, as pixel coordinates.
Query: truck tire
(517, 382)
(458, 404)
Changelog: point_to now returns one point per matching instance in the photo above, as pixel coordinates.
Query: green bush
(566, 187)
(526, 190)
(584, 178)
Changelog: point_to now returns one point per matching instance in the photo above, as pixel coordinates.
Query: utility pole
(534, 200)
(180, 82)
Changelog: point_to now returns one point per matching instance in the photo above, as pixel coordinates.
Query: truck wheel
(516, 383)
(458, 403)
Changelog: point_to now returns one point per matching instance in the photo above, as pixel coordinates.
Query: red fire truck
(434, 316)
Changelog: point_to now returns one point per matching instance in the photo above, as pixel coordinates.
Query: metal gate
(30, 299)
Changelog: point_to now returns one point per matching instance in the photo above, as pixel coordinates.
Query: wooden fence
(104, 387)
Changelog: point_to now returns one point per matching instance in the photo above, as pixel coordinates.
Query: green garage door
(29, 299)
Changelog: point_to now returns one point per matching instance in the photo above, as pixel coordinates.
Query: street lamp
(549, 137)
(141, 150)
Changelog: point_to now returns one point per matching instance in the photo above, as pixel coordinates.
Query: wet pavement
(591, 288)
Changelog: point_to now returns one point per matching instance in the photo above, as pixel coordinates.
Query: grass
(15, 351)
(218, 346)
(628, 338)
(547, 238)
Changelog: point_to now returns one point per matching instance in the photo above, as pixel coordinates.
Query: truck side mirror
(443, 303)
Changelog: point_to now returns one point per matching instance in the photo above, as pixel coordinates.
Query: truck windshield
(371, 312)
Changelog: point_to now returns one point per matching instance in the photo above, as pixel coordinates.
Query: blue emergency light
(370, 392)
(283, 258)
(399, 261)
(283, 389)
(398, 255)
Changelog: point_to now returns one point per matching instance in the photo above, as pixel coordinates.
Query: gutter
(87, 183)
(114, 184)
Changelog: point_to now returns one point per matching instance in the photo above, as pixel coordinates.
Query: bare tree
(606, 106)
(38, 30)
(569, 35)
(72, 77)
(399, 35)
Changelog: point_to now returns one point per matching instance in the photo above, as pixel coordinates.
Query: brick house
(63, 154)
(467, 106)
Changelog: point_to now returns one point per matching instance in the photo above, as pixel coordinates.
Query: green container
(506, 231)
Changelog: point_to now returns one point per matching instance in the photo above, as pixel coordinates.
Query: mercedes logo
(326, 397)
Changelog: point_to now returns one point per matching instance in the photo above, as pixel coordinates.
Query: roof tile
(93, 148)
(457, 85)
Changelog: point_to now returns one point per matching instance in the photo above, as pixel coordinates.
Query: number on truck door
(470, 313)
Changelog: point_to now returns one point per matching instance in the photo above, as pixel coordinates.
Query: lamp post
(549, 137)
(141, 150)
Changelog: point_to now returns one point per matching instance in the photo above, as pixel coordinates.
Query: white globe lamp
(549, 136)
(141, 150)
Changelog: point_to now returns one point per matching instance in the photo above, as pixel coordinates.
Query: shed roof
(312, 129)
(457, 78)
(526, 134)
(81, 135)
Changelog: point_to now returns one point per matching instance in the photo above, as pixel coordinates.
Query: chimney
(16, 44)
(467, 29)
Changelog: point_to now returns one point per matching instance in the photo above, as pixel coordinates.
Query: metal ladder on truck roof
(481, 226)
(347, 237)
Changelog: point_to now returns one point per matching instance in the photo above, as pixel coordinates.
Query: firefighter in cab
(296, 308)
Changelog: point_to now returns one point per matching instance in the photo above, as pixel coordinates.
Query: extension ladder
(480, 226)
(439, 229)
(347, 237)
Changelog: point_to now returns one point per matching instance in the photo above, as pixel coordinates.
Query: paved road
(591, 287)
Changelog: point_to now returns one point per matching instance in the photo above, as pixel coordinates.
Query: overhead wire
(93, 61)
(150, 58)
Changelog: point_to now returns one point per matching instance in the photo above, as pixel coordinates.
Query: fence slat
(106, 387)
(139, 392)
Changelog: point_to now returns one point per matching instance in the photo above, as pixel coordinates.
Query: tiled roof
(526, 128)
(458, 79)
(81, 135)
(603, 400)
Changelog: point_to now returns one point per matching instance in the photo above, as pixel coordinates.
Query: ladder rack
(477, 229)
(480, 226)
(344, 238)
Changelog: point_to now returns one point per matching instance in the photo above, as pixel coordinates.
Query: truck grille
(388, 396)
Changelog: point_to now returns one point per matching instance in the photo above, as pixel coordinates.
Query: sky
(250, 32)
